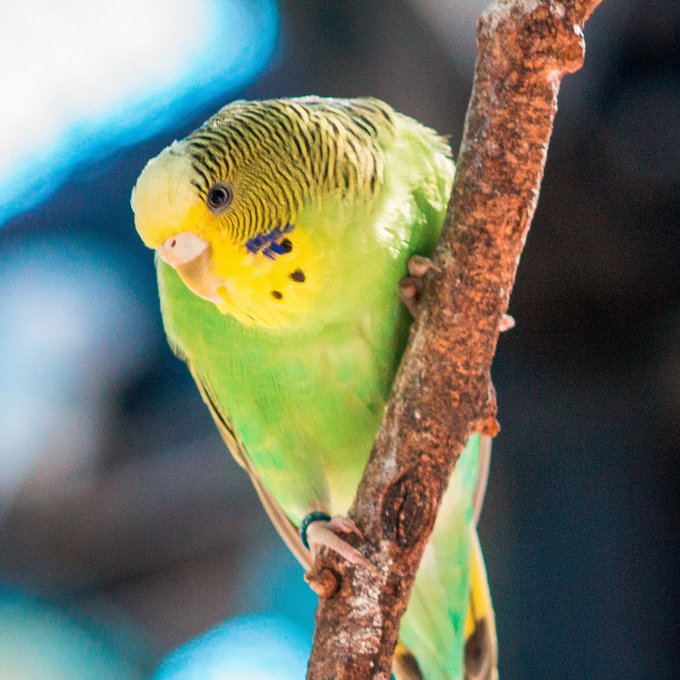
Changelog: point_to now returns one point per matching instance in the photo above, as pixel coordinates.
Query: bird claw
(411, 285)
(409, 293)
(345, 525)
(418, 266)
(506, 323)
(324, 533)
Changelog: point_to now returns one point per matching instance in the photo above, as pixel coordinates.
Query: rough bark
(443, 393)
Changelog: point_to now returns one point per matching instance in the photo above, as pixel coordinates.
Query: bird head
(221, 205)
(202, 200)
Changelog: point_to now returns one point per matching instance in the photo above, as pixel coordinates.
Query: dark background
(136, 520)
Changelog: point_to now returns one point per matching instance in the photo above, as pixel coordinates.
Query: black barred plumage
(296, 150)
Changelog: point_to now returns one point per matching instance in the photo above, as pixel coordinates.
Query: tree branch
(442, 392)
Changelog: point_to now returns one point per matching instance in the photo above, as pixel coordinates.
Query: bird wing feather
(286, 529)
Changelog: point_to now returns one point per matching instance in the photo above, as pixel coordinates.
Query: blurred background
(126, 529)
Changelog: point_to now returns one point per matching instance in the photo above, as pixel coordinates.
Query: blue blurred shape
(81, 79)
(253, 647)
(40, 642)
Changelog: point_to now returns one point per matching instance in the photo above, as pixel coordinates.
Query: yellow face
(250, 207)
(264, 280)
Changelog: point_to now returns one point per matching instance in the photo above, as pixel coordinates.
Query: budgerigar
(282, 230)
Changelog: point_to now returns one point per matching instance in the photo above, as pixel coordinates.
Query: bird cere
(285, 228)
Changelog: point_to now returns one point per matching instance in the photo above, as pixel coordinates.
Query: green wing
(287, 530)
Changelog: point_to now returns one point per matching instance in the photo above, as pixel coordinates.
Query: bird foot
(324, 533)
(410, 286)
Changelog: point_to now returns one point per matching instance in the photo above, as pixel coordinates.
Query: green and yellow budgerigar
(282, 230)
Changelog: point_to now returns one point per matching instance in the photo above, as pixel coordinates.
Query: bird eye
(219, 197)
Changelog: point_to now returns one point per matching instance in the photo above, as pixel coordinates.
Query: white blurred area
(79, 60)
(80, 79)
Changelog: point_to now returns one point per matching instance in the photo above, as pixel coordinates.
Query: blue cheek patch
(272, 243)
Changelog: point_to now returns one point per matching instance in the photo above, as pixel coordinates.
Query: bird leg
(324, 533)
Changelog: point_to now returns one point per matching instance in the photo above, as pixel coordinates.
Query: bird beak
(189, 255)
(182, 249)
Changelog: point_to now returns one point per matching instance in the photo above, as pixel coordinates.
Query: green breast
(305, 404)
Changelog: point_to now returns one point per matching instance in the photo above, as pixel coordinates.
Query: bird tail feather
(481, 647)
